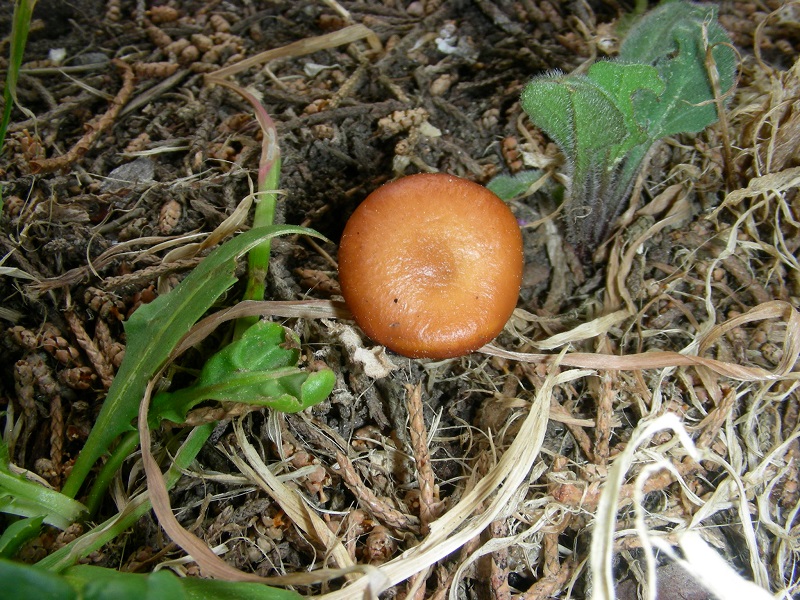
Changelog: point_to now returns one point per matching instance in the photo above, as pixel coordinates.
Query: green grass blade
(23, 11)
(17, 534)
(103, 533)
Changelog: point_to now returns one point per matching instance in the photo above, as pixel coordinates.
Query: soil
(85, 226)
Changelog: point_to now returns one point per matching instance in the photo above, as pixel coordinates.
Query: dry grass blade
(289, 500)
(305, 309)
(766, 184)
(211, 564)
(620, 266)
(584, 331)
(664, 359)
(460, 524)
(346, 35)
(115, 252)
(228, 227)
(603, 539)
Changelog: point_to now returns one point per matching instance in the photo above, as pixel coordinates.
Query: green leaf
(17, 534)
(153, 331)
(209, 589)
(103, 533)
(508, 187)
(263, 347)
(652, 37)
(23, 11)
(97, 583)
(23, 582)
(260, 368)
(671, 39)
(622, 81)
(575, 112)
(26, 498)
(606, 121)
(582, 118)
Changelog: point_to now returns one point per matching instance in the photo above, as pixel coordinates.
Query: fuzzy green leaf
(671, 38)
(606, 121)
(622, 81)
(508, 187)
(576, 113)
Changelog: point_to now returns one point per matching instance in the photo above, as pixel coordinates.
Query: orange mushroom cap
(430, 265)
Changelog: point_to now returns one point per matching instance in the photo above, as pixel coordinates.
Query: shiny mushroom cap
(430, 265)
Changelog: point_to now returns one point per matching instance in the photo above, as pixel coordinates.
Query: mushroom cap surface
(430, 265)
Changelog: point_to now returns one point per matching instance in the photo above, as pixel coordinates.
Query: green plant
(23, 497)
(152, 332)
(21, 21)
(96, 583)
(606, 121)
(23, 11)
(259, 367)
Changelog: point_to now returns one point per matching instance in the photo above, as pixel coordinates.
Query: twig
(499, 563)
(379, 508)
(586, 496)
(712, 423)
(94, 127)
(719, 100)
(429, 504)
(149, 274)
(301, 48)
(56, 433)
(605, 414)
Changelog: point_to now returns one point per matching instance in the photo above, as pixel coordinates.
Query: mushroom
(430, 265)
